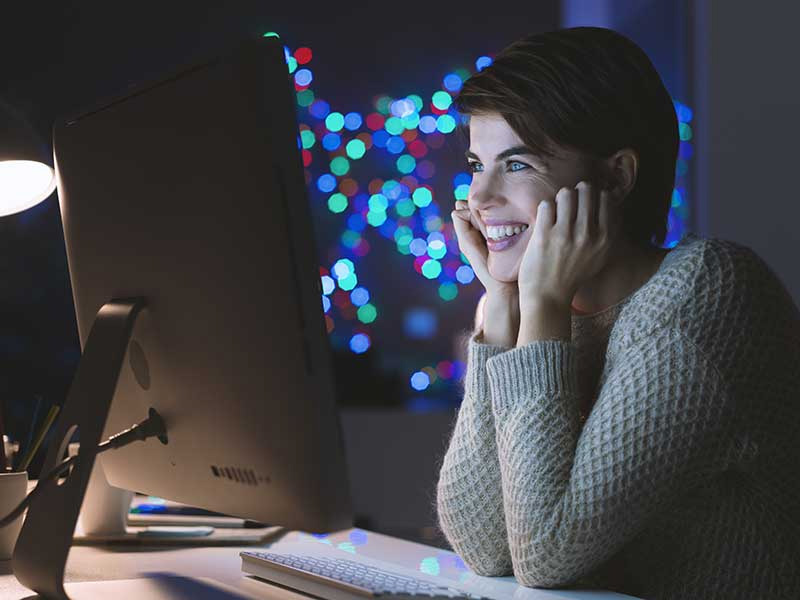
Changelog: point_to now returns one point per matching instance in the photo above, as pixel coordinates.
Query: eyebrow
(515, 150)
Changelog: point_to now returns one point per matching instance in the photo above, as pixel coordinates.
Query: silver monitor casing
(190, 193)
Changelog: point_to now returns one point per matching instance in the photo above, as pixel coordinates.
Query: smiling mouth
(502, 232)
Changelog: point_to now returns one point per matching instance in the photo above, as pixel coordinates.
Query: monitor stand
(44, 542)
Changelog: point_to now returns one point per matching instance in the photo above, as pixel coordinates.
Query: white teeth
(498, 233)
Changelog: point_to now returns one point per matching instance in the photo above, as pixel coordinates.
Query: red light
(328, 323)
(375, 186)
(366, 138)
(349, 187)
(417, 149)
(362, 249)
(306, 158)
(409, 135)
(302, 55)
(375, 121)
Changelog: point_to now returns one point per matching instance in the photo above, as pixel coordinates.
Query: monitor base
(41, 552)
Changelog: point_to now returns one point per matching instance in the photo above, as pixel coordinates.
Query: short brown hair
(594, 91)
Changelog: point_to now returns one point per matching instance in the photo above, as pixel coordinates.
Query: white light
(24, 183)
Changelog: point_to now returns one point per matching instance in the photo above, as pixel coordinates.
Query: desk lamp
(26, 170)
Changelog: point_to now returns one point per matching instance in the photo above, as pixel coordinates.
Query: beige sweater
(682, 482)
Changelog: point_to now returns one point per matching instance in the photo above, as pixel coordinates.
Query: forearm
(501, 319)
(469, 492)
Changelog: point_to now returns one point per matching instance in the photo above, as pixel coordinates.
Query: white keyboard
(342, 579)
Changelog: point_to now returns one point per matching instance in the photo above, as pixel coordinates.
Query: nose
(483, 193)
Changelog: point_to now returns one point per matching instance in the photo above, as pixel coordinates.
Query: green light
(383, 105)
(442, 100)
(367, 313)
(464, 259)
(433, 223)
(403, 235)
(418, 103)
(437, 249)
(461, 192)
(271, 34)
(676, 197)
(305, 98)
(448, 291)
(334, 121)
(394, 125)
(350, 238)
(403, 249)
(349, 282)
(422, 197)
(355, 149)
(378, 203)
(445, 123)
(376, 218)
(308, 139)
(337, 203)
(411, 121)
(431, 269)
(405, 208)
(684, 132)
(464, 74)
(291, 62)
(681, 167)
(406, 163)
(340, 166)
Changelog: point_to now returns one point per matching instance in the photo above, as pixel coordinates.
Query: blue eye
(516, 162)
(473, 166)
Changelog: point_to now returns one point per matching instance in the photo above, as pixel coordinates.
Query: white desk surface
(222, 564)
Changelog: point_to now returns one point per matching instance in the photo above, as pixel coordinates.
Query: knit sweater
(655, 454)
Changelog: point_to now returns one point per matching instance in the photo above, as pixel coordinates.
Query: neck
(629, 268)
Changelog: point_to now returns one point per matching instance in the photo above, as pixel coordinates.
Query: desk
(223, 564)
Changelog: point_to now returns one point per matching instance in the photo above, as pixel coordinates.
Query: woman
(630, 413)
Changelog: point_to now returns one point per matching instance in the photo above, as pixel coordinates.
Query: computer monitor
(189, 193)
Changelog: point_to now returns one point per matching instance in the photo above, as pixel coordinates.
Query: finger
(566, 201)
(545, 218)
(587, 207)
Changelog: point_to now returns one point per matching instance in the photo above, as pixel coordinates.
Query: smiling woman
(629, 415)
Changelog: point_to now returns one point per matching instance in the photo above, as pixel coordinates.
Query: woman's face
(508, 183)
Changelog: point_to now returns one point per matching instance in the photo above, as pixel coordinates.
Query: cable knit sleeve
(469, 496)
(574, 495)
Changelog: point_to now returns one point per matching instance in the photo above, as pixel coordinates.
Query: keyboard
(342, 579)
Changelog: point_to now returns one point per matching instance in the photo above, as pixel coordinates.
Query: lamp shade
(26, 173)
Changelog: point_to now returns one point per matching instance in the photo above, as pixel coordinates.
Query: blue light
(356, 222)
(388, 228)
(319, 109)
(380, 138)
(352, 121)
(392, 189)
(403, 108)
(328, 284)
(452, 82)
(286, 52)
(359, 343)
(326, 182)
(427, 124)
(303, 77)
(343, 268)
(395, 144)
(420, 381)
(331, 141)
(359, 296)
(684, 113)
(326, 304)
(482, 62)
(462, 179)
(436, 235)
(465, 274)
(418, 247)
(420, 323)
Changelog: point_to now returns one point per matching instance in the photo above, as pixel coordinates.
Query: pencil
(31, 451)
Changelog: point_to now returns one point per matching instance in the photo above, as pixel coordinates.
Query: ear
(622, 168)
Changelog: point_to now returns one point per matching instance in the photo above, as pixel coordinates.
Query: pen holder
(105, 508)
(13, 487)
